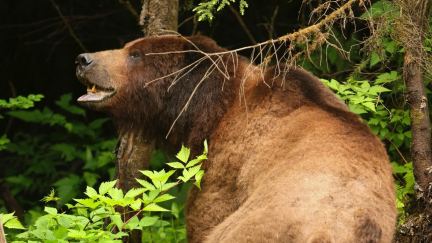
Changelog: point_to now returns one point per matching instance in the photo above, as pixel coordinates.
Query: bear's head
(150, 81)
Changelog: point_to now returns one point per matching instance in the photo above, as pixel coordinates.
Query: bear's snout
(83, 60)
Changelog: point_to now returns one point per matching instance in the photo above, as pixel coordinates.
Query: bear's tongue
(98, 96)
(94, 95)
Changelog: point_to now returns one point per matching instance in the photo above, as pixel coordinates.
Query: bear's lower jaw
(96, 96)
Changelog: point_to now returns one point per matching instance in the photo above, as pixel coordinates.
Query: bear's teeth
(92, 89)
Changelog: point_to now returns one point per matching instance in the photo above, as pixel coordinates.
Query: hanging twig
(68, 26)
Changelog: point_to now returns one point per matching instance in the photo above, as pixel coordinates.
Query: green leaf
(163, 198)
(6, 217)
(176, 165)
(154, 208)
(147, 185)
(369, 105)
(50, 210)
(64, 103)
(175, 210)
(106, 186)
(387, 77)
(117, 220)
(132, 193)
(133, 223)
(91, 192)
(205, 147)
(183, 154)
(136, 205)
(115, 193)
(374, 59)
(199, 159)
(88, 202)
(198, 176)
(148, 221)
(13, 223)
(168, 186)
(194, 170)
(378, 89)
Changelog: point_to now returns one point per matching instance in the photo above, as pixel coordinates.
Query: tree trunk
(134, 150)
(415, 15)
(413, 26)
(158, 16)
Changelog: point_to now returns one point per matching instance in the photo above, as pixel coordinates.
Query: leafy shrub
(108, 214)
(60, 148)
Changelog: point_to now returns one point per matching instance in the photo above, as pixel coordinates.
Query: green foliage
(370, 83)
(403, 191)
(19, 102)
(108, 214)
(10, 221)
(60, 148)
(205, 9)
(360, 96)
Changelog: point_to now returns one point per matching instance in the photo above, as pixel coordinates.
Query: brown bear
(287, 161)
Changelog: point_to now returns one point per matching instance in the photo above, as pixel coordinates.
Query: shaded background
(38, 47)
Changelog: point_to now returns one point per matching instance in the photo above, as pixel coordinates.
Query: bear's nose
(83, 60)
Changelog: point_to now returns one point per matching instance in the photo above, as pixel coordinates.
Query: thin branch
(68, 26)
(2, 233)
(130, 8)
(242, 24)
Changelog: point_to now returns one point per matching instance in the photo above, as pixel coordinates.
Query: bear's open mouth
(96, 93)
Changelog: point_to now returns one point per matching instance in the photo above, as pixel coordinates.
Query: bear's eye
(135, 54)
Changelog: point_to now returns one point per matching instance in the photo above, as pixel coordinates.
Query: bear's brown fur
(287, 161)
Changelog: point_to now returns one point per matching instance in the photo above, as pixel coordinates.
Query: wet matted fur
(287, 161)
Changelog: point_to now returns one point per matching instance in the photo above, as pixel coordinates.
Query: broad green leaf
(115, 193)
(136, 205)
(198, 176)
(163, 198)
(106, 186)
(132, 193)
(176, 165)
(65, 103)
(205, 147)
(194, 170)
(133, 223)
(10, 221)
(175, 210)
(148, 221)
(369, 105)
(148, 173)
(146, 184)
(196, 161)
(374, 59)
(6, 217)
(91, 192)
(77, 234)
(117, 220)
(154, 207)
(90, 203)
(183, 154)
(168, 186)
(50, 210)
(378, 89)
(387, 77)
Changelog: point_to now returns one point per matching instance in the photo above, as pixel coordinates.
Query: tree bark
(159, 16)
(134, 150)
(414, 21)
